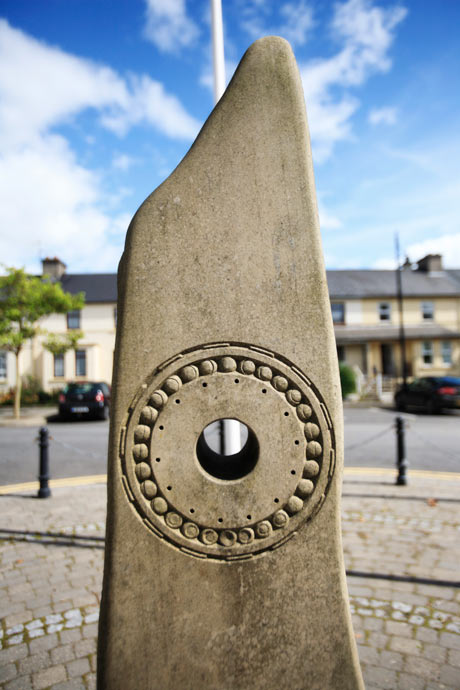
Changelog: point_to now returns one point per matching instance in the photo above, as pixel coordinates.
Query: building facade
(365, 313)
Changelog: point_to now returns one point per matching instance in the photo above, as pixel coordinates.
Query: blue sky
(101, 99)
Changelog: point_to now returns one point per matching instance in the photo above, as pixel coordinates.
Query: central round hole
(227, 449)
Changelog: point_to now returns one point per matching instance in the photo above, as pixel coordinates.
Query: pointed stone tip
(273, 46)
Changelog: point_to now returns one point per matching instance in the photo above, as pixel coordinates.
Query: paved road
(432, 441)
(79, 448)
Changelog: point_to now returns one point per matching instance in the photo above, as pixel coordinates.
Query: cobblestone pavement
(402, 552)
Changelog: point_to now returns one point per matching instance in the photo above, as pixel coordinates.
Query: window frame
(58, 358)
(427, 309)
(3, 365)
(384, 308)
(338, 304)
(80, 356)
(447, 363)
(73, 317)
(427, 351)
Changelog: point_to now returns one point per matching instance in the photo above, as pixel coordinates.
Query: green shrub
(347, 380)
(31, 394)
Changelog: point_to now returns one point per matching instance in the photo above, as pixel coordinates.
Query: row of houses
(364, 308)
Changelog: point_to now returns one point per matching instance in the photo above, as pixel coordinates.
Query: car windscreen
(79, 388)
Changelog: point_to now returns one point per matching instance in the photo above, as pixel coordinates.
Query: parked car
(430, 393)
(91, 398)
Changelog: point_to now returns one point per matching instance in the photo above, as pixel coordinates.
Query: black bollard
(43, 477)
(401, 460)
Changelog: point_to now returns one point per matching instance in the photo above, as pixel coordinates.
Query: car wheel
(400, 406)
(104, 413)
(432, 408)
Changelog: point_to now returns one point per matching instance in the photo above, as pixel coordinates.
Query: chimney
(432, 263)
(54, 268)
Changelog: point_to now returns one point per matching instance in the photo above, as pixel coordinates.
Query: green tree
(24, 301)
(60, 343)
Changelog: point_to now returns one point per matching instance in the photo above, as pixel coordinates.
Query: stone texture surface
(78, 513)
(225, 258)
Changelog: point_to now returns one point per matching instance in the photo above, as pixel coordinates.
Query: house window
(427, 352)
(80, 362)
(427, 311)
(341, 353)
(338, 312)
(58, 365)
(385, 311)
(2, 364)
(446, 352)
(73, 319)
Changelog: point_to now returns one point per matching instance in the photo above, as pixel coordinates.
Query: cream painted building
(364, 309)
(93, 358)
(366, 318)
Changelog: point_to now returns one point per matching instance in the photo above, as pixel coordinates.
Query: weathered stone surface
(216, 581)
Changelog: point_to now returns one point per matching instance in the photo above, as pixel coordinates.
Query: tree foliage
(24, 301)
(60, 343)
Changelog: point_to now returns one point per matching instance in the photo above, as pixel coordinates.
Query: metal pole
(401, 460)
(44, 490)
(229, 429)
(218, 49)
(402, 335)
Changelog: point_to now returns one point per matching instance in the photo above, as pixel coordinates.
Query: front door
(387, 359)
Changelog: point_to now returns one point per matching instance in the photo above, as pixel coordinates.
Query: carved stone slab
(226, 572)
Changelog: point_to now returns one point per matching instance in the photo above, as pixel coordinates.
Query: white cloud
(41, 86)
(385, 116)
(447, 245)
(72, 85)
(121, 161)
(327, 220)
(50, 203)
(296, 20)
(168, 26)
(366, 32)
(149, 102)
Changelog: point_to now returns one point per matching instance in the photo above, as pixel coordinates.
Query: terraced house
(364, 310)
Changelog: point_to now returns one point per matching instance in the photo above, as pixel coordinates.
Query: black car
(87, 398)
(430, 393)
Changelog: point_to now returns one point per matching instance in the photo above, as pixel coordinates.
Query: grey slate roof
(343, 284)
(98, 287)
(351, 284)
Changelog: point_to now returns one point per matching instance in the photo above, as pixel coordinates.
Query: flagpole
(229, 429)
(218, 49)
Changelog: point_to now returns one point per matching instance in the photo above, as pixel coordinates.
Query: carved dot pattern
(223, 538)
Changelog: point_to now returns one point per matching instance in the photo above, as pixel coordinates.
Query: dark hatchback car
(87, 398)
(430, 393)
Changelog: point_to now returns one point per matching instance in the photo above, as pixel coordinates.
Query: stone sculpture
(226, 572)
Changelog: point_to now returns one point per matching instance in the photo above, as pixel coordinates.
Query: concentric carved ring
(217, 518)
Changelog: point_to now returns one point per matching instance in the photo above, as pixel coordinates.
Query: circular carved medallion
(288, 460)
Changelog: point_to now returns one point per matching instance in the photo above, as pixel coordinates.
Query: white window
(2, 364)
(385, 311)
(73, 319)
(80, 362)
(446, 352)
(427, 352)
(338, 312)
(58, 365)
(427, 311)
